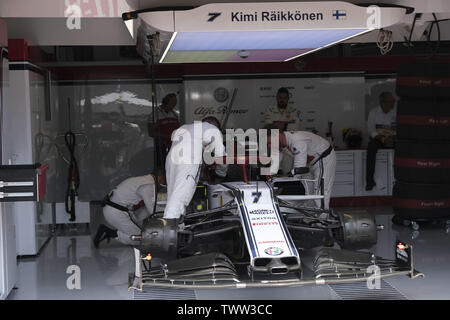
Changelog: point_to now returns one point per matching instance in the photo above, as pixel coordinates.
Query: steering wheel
(243, 161)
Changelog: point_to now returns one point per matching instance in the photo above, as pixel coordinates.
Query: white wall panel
(8, 261)
(23, 120)
(319, 99)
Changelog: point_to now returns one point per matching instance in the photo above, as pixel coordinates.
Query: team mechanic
(127, 206)
(184, 160)
(303, 144)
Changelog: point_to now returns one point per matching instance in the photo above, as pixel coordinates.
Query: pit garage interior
(97, 68)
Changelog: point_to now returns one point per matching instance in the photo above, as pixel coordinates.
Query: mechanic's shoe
(370, 185)
(103, 233)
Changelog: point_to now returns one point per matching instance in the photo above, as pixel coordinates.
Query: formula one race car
(249, 231)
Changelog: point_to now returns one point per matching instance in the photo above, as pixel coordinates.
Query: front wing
(214, 270)
(271, 252)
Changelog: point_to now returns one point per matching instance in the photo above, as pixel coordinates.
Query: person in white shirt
(127, 206)
(282, 116)
(184, 161)
(303, 144)
(381, 129)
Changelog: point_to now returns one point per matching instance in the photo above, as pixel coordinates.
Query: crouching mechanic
(184, 161)
(303, 144)
(127, 206)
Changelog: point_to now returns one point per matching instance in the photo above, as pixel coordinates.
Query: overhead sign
(274, 16)
(268, 31)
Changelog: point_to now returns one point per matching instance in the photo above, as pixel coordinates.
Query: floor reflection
(104, 272)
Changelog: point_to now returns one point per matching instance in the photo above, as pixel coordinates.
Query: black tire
(420, 119)
(422, 162)
(413, 201)
(423, 79)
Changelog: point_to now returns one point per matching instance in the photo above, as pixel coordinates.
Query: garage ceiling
(46, 23)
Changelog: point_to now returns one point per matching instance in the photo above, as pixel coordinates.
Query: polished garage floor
(104, 272)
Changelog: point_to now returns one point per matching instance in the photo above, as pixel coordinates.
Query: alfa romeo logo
(221, 94)
(274, 251)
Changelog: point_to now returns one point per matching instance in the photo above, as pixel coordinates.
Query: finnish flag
(339, 14)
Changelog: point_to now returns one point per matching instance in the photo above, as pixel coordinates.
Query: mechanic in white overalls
(184, 161)
(303, 144)
(127, 206)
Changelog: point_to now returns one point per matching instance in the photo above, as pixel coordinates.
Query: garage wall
(317, 99)
(24, 142)
(8, 261)
(112, 115)
(109, 119)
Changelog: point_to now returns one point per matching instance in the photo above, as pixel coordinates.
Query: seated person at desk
(381, 128)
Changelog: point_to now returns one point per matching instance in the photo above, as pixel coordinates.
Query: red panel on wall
(18, 50)
(361, 201)
(374, 65)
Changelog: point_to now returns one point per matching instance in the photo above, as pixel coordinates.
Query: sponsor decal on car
(274, 251)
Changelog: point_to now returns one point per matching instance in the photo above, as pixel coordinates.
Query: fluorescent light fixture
(121, 97)
(195, 96)
(268, 31)
(245, 46)
(168, 46)
(330, 44)
(259, 40)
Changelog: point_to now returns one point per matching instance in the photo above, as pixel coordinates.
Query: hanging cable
(155, 47)
(436, 49)
(73, 177)
(409, 44)
(384, 41)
